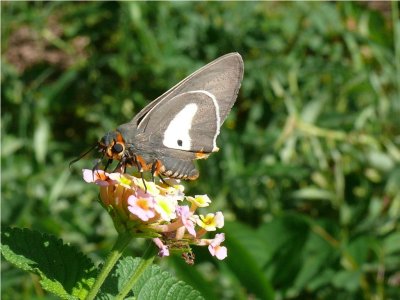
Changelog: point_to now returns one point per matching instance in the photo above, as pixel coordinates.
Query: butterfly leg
(163, 181)
(121, 167)
(96, 166)
(140, 169)
(107, 164)
(153, 170)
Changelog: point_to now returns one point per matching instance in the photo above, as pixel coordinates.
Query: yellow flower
(211, 222)
(199, 200)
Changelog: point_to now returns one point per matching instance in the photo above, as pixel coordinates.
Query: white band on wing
(217, 118)
(177, 134)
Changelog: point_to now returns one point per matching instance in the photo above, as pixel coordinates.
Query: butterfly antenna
(82, 155)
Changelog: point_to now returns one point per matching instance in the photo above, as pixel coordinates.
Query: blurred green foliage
(309, 168)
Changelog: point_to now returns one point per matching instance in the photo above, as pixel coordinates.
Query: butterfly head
(112, 145)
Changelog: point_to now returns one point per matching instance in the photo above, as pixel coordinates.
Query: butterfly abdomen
(179, 169)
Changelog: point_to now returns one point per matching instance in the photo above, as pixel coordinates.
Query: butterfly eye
(118, 148)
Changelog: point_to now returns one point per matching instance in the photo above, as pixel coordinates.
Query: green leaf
(298, 254)
(63, 270)
(40, 140)
(359, 248)
(153, 284)
(347, 280)
(316, 255)
(246, 253)
(192, 276)
(254, 241)
(312, 110)
(312, 193)
(391, 244)
(10, 145)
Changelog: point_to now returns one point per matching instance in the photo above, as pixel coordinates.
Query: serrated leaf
(153, 284)
(192, 276)
(62, 269)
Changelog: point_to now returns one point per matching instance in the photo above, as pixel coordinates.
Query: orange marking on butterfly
(159, 168)
(120, 139)
(109, 148)
(143, 164)
(201, 155)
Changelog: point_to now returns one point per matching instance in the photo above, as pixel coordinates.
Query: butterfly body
(181, 125)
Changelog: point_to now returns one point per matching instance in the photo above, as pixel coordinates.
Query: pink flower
(215, 247)
(98, 177)
(141, 205)
(150, 209)
(184, 213)
(164, 251)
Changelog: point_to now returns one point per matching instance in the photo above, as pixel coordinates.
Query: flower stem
(116, 252)
(146, 261)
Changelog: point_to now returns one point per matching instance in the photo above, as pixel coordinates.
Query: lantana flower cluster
(159, 210)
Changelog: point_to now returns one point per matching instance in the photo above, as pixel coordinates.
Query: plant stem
(116, 252)
(146, 261)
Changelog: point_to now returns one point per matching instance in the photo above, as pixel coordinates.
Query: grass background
(309, 168)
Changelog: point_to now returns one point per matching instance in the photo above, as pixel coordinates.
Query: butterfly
(181, 125)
